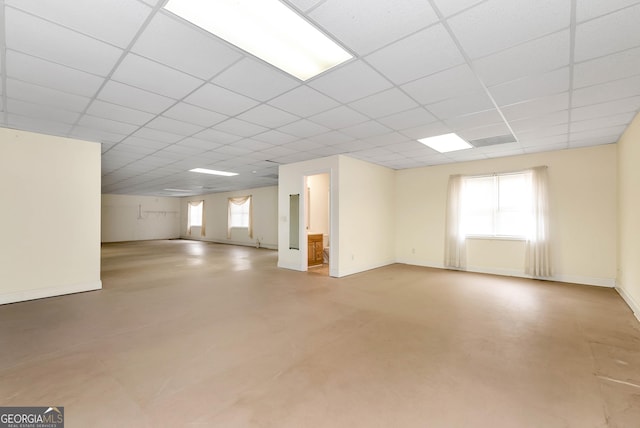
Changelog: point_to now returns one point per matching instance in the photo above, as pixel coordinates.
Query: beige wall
(628, 283)
(50, 216)
(583, 215)
(265, 218)
(367, 216)
(318, 186)
(136, 218)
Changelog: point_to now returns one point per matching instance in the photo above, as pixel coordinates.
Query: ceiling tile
(240, 127)
(450, 83)
(93, 134)
(275, 137)
(498, 24)
(51, 75)
(365, 28)
(350, 82)
(408, 119)
(174, 126)
(39, 111)
(156, 135)
(606, 92)
(606, 109)
(475, 119)
(594, 141)
(536, 107)
(384, 103)
(611, 67)
(58, 44)
(366, 129)
(428, 130)
(220, 100)
(531, 87)
(608, 34)
(217, 136)
(528, 140)
(588, 9)
(45, 96)
(468, 104)
(252, 145)
(119, 113)
(268, 116)
(531, 58)
(192, 114)
(137, 99)
(602, 132)
(145, 74)
(113, 21)
(256, 80)
(304, 5)
(339, 117)
(421, 54)
(303, 129)
(107, 125)
(533, 123)
(303, 101)
(331, 137)
(602, 122)
(544, 132)
(184, 47)
(204, 144)
(449, 7)
(484, 132)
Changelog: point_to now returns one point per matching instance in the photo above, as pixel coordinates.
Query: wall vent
(493, 141)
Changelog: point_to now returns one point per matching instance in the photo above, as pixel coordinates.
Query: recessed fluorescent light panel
(213, 172)
(267, 29)
(446, 143)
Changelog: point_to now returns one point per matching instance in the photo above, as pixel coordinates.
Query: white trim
(290, 266)
(229, 242)
(635, 307)
(359, 269)
(584, 280)
(41, 293)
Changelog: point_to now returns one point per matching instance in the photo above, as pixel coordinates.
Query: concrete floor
(204, 335)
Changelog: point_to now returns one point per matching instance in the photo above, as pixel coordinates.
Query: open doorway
(318, 222)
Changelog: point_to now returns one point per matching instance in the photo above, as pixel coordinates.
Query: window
(240, 214)
(497, 205)
(195, 216)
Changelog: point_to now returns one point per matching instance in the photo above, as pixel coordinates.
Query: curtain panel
(538, 260)
(455, 240)
(190, 206)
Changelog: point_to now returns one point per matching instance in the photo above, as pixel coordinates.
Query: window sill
(497, 238)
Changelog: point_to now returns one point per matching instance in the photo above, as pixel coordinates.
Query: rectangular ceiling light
(213, 172)
(267, 29)
(446, 143)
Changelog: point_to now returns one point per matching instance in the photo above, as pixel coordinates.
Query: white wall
(583, 215)
(362, 214)
(50, 216)
(265, 218)
(367, 216)
(136, 218)
(628, 282)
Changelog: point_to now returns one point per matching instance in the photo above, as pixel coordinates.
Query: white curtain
(455, 248)
(538, 261)
(240, 200)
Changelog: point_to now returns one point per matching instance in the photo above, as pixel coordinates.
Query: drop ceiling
(163, 96)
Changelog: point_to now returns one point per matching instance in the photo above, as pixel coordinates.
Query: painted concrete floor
(194, 334)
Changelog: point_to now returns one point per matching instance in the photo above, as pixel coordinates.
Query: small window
(195, 216)
(497, 205)
(240, 214)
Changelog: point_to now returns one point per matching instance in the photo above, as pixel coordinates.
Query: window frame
(495, 208)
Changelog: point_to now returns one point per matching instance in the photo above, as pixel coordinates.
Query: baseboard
(572, 279)
(635, 307)
(359, 269)
(41, 293)
(229, 242)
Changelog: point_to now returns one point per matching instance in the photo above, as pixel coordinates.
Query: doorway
(318, 222)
